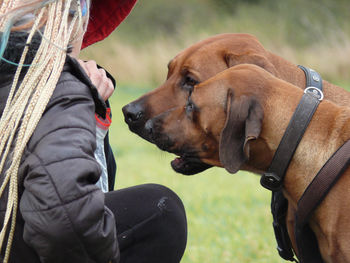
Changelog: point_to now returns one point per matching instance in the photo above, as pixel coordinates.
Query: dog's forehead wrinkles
(189, 71)
(195, 58)
(193, 55)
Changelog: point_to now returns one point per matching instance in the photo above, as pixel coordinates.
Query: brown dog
(202, 61)
(236, 120)
(195, 65)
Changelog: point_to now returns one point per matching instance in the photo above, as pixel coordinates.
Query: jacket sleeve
(64, 212)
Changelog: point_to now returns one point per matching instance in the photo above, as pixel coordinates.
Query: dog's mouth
(188, 165)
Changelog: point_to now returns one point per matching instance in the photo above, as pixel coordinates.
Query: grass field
(228, 215)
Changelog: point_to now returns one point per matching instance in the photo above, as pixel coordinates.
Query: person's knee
(167, 199)
(154, 215)
(173, 215)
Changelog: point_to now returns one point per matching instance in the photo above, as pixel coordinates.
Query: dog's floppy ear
(243, 124)
(232, 59)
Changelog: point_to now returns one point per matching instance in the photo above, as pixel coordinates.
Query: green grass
(228, 215)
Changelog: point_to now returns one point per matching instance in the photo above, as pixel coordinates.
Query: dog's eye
(189, 83)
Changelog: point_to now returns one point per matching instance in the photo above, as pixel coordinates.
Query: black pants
(151, 224)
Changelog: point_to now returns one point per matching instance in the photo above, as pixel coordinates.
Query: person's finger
(110, 84)
(109, 88)
(102, 72)
(96, 76)
(93, 72)
(106, 88)
(91, 64)
(103, 86)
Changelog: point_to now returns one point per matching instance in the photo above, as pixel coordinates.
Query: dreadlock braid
(28, 99)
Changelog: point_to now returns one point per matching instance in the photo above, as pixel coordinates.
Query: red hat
(105, 16)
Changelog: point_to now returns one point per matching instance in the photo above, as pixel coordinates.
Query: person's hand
(99, 78)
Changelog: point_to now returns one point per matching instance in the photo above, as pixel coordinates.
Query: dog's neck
(328, 130)
(293, 74)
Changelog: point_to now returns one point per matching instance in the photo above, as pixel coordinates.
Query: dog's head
(220, 119)
(189, 68)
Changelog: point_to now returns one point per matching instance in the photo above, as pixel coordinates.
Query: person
(50, 207)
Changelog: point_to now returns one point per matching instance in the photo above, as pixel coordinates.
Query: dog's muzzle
(135, 117)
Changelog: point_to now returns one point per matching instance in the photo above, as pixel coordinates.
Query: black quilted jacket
(62, 216)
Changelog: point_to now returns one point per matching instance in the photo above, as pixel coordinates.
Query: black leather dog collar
(313, 79)
(273, 178)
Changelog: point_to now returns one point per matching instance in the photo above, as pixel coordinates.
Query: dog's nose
(133, 112)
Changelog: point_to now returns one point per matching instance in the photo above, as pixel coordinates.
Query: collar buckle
(316, 92)
(271, 181)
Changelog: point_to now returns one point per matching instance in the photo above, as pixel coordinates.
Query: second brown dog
(236, 120)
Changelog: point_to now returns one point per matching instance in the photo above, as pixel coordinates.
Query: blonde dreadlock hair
(27, 100)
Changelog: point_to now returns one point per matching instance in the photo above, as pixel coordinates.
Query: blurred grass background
(228, 215)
